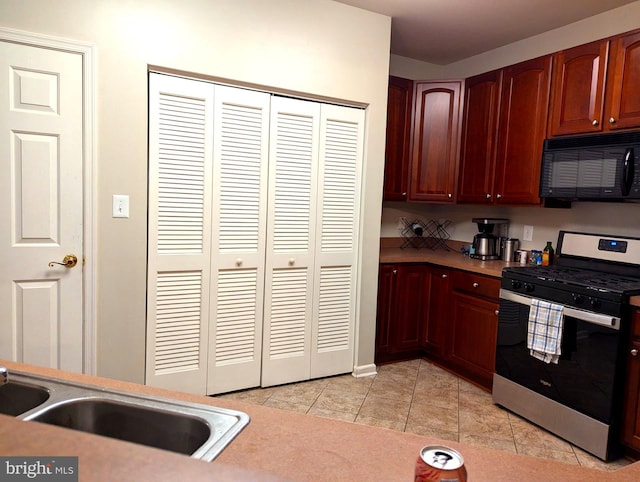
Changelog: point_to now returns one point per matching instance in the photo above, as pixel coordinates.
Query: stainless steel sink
(199, 430)
(17, 398)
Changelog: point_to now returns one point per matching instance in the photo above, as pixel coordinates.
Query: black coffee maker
(486, 244)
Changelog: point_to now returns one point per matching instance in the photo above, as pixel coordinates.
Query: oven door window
(585, 376)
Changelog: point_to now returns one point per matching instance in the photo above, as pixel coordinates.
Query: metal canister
(437, 463)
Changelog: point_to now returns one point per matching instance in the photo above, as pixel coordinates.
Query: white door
(293, 174)
(41, 206)
(240, 160)
(180, 151)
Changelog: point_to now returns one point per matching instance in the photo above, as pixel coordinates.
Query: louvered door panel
(180, 149)
(338, 207)
(290, 244)
(240, 161)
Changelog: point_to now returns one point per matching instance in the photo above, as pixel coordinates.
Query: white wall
(319, 48)
(617, 218)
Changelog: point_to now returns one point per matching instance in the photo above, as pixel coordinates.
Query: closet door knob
(238, 261)
(292, 261)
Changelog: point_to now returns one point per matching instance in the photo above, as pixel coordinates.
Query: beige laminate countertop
(452, 259)
(276, 445)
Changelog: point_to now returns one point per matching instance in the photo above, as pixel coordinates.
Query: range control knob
(515, 284)
(578, 299)
(529, 287)
(594, 302)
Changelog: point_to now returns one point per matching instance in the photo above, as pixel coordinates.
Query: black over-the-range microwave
(597, 167)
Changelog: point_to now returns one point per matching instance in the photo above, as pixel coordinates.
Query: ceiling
(445, 31)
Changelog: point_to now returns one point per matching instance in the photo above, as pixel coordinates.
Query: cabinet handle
(444, 276)
(595, 122)
(450, 195)
(488, 196)
(395, 272)
(497, 312)
(612, 120)
(404, 193)
(475, 285)
(498, 196)
(634, 352)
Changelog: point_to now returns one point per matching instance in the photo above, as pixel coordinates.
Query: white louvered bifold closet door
(240, 169)
(293, 168)
(336, 242)
(180, 149)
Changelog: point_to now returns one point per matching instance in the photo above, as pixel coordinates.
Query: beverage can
(437, 463)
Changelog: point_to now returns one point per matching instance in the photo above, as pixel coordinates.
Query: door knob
(69, 261)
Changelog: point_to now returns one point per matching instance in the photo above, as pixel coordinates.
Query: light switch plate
(527, 235)
(120, 206)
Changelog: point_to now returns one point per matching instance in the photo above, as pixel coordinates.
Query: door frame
(89, 159)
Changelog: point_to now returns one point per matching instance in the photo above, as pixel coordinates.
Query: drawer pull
(475, 285)
(445, 276)
(634, 352)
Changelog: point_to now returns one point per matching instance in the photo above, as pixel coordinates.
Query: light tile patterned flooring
(417, 396)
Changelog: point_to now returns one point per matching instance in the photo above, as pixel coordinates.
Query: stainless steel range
(562, 334)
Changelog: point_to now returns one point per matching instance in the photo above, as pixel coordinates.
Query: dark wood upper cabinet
(522, 127)
(595, 87)
(577, 89)
(435, 141)
(478, 144)
(622, 105)
(396, 168)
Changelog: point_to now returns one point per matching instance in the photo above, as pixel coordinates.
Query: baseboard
(364, 370)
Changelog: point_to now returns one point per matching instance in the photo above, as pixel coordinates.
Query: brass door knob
(69, 261)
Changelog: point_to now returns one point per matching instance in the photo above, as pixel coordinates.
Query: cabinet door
(411, 307)
(577, 89)
(623, 94)
(522, 127)
(474, 323)
(478, 145)
(435, 141)
(435, 330)
(396, 167)
(386, 289)
(631, 420)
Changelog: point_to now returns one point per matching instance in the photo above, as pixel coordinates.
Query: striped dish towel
(544, 334)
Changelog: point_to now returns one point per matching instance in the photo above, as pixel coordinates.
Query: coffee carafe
(486, 244)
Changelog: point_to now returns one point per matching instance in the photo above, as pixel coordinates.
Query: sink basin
(165, 430)
(199, 430)
(17, 398)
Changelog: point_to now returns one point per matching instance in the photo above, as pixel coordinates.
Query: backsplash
(605, 218)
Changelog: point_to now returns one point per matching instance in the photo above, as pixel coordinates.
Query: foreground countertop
(276, 445)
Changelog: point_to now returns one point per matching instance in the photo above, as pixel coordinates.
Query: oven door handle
(587, 316)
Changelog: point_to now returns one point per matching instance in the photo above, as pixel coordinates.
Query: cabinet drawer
(476, 284)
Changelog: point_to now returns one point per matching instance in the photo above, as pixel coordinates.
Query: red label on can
(437, 463)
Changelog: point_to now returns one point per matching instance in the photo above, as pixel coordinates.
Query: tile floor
(417, 396)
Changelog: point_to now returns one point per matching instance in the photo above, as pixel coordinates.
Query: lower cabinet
(473, 326)
(631, 414)
(403, 301)
(449, 315)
